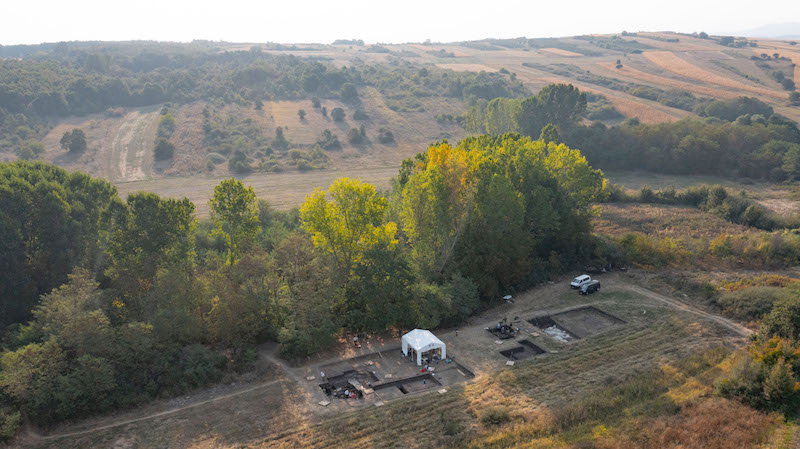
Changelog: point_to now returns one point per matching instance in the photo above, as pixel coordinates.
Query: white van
(580, 281)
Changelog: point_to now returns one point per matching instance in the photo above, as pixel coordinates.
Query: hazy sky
(34, 21)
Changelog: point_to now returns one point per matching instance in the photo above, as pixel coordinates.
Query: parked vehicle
(581, 280)
(589, 288)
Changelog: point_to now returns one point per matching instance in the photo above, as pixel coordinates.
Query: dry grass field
(283, 190)
(560, 52)
(609, 69)
(676, 64)
(649, 332)
(661, 221)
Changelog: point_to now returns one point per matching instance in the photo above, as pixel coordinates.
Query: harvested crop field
(675, 64)
(467, 67)
(560, 52)
(609, 69)
(627, 105)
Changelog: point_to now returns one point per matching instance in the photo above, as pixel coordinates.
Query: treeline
(763, 149)
(740, 137)
(107, 303)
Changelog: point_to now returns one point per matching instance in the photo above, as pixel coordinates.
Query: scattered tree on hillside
(74, 141)
(337, 114)
(385, 136)
(349, 94)
(301, 114)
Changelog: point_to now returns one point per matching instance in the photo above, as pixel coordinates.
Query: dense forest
(108, 302)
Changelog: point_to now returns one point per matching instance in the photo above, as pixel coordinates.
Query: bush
(239, 163)
(355, 137)
(360, 115)
(385, 136)
(166, 125)
(10, 422)
(329, 141)
(30, 149)
(337, 114)
(751, 303)
(495, 416)
(216, 158)
(164, 149)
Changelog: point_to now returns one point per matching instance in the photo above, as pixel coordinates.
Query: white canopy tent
(420, 341)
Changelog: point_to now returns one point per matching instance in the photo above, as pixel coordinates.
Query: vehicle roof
(583, 276)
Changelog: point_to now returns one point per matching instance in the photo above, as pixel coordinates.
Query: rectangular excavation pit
(587, 321)
(553, 329)
(577, 323)
(526, 350)
(340, 382)
(408, 385)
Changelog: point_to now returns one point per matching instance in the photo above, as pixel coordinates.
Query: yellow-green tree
(348, 221)
(502, 115)
(234, 208)
(436, 202)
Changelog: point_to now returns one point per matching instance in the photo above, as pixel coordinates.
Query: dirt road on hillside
(131, 156)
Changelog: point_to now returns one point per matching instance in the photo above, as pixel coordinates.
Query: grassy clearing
(662, 221)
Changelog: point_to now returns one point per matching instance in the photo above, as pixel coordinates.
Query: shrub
(30, 149)
(166, 125)
(385, 136)
(329, 141)
(337, 114)
(10, 421)
(239, 163)
(495, 416)
(355, 137)
(164, 149)
(215, 158)
(751, 303)
(360, 115)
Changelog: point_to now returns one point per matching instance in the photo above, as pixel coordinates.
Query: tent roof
(420, 339)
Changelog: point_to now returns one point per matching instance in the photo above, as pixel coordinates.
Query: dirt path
(155, 415)
(732, 325)
(132, 146)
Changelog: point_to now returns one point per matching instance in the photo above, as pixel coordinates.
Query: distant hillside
(775, 30)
